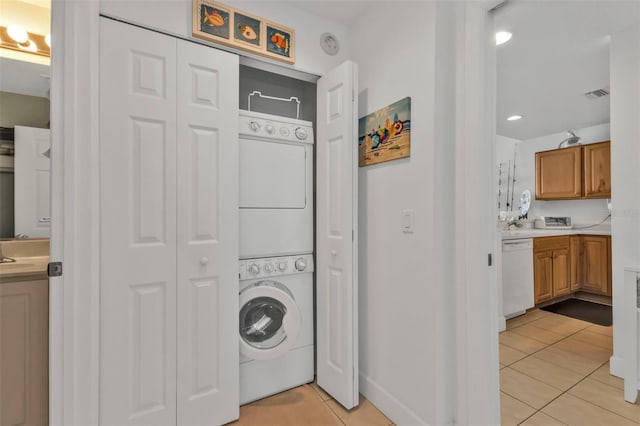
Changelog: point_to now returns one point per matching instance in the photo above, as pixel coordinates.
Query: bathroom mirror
(24, 161)
(525, 202)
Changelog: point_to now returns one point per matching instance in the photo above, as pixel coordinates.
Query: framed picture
(280, 42)
(212, 21)
(385, 135)
(231, 27)
(248, 30)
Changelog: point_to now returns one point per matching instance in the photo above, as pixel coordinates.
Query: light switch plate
(407, 221)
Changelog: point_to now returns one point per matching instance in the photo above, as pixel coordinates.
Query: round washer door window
(269, 320)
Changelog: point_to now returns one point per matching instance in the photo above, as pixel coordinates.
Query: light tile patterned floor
(308, 405)
(554, 370)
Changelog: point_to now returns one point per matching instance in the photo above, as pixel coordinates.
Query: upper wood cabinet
(578, 172)
(559, 174)
(597, 170)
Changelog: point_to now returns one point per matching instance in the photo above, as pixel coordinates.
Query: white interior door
(207, 315)
(137, 226)
(32, 176)
(336, 236)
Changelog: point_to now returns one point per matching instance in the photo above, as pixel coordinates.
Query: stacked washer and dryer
(276, 254)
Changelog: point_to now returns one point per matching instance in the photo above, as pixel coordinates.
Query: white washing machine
(276, 325)
(276, 185)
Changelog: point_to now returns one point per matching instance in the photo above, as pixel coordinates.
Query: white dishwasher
(517, 276)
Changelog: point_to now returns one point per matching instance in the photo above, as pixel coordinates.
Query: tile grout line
(564, 392)
(587, 375)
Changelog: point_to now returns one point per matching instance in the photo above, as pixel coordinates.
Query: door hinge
(490, 259)
(54, 269)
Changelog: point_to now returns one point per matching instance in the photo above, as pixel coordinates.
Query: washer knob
(268, 268)
(270, 129)
(254, 125)
(301, 264)
(301, 133)
(282, 266)
(254, 269)
(284, 131)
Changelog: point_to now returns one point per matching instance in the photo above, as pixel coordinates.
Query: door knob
(204, 260)
(334, 253)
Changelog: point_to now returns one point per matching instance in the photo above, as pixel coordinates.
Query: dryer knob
(270, 129)
(268, 268)
(301, 264)
(282, 266)
(254, 125)
(254, 269)
(301, 133)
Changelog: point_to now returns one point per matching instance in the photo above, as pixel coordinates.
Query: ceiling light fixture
(17, 38)
(514, 117)
(502, 37)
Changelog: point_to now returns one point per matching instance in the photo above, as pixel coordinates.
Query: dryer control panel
(275, 266)
(265, 126)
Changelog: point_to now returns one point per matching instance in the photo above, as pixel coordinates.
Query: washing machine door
(269, 320)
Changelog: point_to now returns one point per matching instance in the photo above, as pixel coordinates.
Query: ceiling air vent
(595, 94)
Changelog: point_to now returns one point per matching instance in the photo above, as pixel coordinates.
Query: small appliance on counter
(553, 222)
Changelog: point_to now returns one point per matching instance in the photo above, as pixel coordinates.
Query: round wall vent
(329, 44)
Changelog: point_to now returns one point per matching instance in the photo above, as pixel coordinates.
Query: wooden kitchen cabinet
(551, 273)
(575, 262)
(596, 264)
(597, 170)
(572, 173)
(559, 174)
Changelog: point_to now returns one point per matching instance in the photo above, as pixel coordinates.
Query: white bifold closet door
(336, 234)
(169, 245)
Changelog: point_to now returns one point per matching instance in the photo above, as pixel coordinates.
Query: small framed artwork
(280, 42)
(385, 135)
(212, 21)
(216, 22)
(247, 30)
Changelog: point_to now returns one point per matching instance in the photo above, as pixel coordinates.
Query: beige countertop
(31, 258)
(23, 268)
(604, 229)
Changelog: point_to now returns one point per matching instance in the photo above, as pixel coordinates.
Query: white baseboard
(616, 366)
(502, 323)
(397, 412)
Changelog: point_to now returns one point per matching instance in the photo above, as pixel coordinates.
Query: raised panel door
(559, 174)
(138, 226)
(561, 284)
(596, 264)
(597, 170)
(336, 250)
(543, 275)
(207, 223)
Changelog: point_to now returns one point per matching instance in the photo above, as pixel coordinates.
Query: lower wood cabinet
(24, 349)
(550, 267)
(566, 264)
(594, 264)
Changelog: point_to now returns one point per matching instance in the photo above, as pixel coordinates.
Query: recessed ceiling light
(514, 117)
(502, 37)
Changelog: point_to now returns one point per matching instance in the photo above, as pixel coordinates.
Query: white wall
(582, 211)
(625, 174)
(174, 16)
(404, 291)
